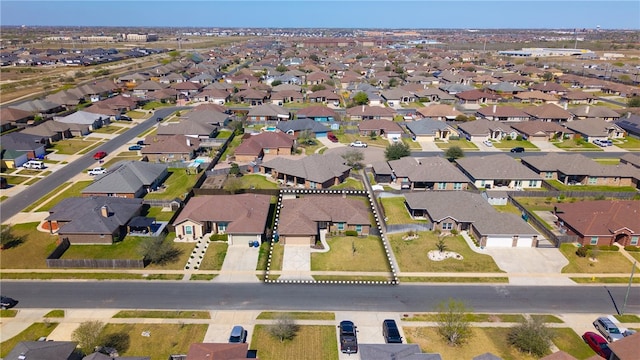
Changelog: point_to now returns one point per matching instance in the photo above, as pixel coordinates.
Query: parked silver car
(608, 329)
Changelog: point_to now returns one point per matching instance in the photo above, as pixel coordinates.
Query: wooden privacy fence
(54, 261)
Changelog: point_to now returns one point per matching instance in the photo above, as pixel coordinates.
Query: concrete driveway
(531, 266)
(296, 263)
(369, 328)
(239, 264)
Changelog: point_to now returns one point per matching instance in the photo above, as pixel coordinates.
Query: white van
(34, 164)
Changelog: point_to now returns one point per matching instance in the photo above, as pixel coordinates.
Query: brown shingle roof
(299, 216)
(601, 217)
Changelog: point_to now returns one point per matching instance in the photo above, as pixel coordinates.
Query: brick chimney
(104, 211)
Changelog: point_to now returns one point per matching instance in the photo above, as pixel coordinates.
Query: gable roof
(601, 217)
(317, 111)
(245, 213)
(265, 140)
(592, 126)
(366, 110)
(270, 110)
(317, 167)
(21, 141)
(299, 216)
(498, 167)
(215, 351)
(538, 126)
(548, 111)
(376, 124)
(577, 164)
(126, 177)
(42, 350)
(439, 110)
(482, 127)
(427, 126)
(177, 144)
(627, 348)
(432, 168)
(394, 352)
(84, 216)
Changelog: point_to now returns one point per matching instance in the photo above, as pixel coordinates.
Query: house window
(634, 240)
(359, 228)
(188, 230)
(447, 226)
(312, 185)
(548, 175)
(457, 186)
(594, 240)
(222, 227)
(532, 183)
(593, 180)
(442, 186)
(340, 226)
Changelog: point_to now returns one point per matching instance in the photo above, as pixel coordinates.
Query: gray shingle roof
(302, 124)
(126, 177)
(84, 214)
(427, 126)
(394, 352)
(427, 169)
(317, 168)
(592, 126)
(576, 164)
(496, 167)
(42, 350)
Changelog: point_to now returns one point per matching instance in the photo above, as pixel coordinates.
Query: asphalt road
(15, 204)
(400, 298)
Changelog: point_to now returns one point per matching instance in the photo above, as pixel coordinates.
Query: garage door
(297, 240)
(242, 240)
(524, 242)
(499, 242)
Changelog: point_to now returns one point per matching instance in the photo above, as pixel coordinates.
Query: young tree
(353, 158)
(441, 245)
(281, 68)
(397, 151)
(234, 170)
(318, 87)
(531, 336)
(361, 98)
(9, 239)
(87, 334)
(453, 322)
(634, 102)
(233, 185)
(276, 83)
(284, 328)
(453, 153)
(158, 250)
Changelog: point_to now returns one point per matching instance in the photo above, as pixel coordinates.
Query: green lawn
(302, 315)
(349, 138)
(628, 143)
(31, 254)
(214, 257)
(256, 181)
(628, 318)
(562, 187)
(157, 212)
(177, 185)
(224, 134)
(135, 114)
(396, 212)
(15, 180)
(71, 146)
(231, 148)
(607, 262)
(55, 314)
(349, 183)
(462, 144)
(508, 144)
(152, 105)
(412, 255)
(74, 190)
(277, 255)
(159, 314)
(89, 276)
(8, 313)
(573, 145)
(568, 341)
(310, 343)
(109, 129)
(472, 317)
(548, 318)
(163, 339)
(32, 333)
(127, 249)
(350, 253)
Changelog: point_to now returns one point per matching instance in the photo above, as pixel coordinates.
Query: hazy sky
(565, 14)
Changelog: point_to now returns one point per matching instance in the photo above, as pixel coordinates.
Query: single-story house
(483, 129)
(268, 112)
(549, 112)
(383, 128)
(537, 130)
(601, 222)
(394, 352)
(218, 351)
(441, 112)
(630, 124)
(500, 170)
(170, 148)
(297, 126)
(303, 218)
(318, 113)
(502, 113)
(243, 217)
(86, 120)
(311, 172)
(50, 350)
(577, 169)
(430, 130)
(93, 220)
(591, 111)
(270, 142)
(32, 145)
(51, 130)
(394, 98)
(367, 112)
(466, 211)
(128, 179)
(12, 117)
(592, 129)
(429, 173)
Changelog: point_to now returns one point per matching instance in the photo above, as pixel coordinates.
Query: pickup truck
(348, 338)
(97, 171)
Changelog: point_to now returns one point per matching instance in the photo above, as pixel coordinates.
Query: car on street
(608, 329)
(390, 332)
(348, 337)
(125, 118)
(359, 144)
(332, 137)
(158, 119)
(517, 149)
(135, 147)
(34, 164)
(597, 343)
(488, 143)
(238, 335)
(7, 302)
(99, 155)
(97, 171)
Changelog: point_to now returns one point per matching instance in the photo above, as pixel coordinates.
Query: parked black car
(7, 302)
(390, 332)
(348, 338)
(517, 149)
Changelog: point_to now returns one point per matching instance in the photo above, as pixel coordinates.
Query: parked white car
(34, 164)
(488, 143)
(359, 144)
(97, 171)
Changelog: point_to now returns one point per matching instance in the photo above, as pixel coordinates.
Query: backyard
(412, 255)
(253, 181)
(177, 185)
(396, 212)
(351, 253)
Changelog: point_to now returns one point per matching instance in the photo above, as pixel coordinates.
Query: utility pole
(624, 305)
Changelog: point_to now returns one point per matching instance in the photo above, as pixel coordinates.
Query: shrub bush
(582, 251)
(219, 237)
(632, 248)
(602, 247)
(351, 233)
(454, 137)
